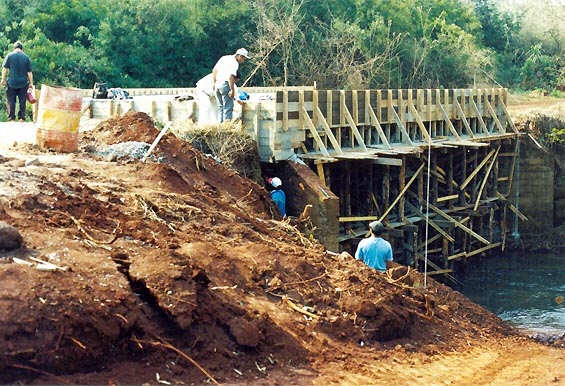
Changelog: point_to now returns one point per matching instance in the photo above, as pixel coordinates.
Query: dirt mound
(178, 271)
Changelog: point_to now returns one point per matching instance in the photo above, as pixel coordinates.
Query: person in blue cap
(375, 251)
(277, 195)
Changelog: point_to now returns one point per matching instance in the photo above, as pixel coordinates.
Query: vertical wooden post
(450, 178)
(386, 187)
(474, 182)
(285, 109)
(463, 176)
(434, 178)
(371, 193)
(491, 226)
(401, 185)
(347, 195)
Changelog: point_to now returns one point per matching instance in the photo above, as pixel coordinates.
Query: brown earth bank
(177, 271)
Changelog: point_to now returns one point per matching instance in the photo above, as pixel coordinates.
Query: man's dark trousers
(11, 95)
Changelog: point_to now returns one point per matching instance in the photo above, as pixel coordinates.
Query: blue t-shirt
(279, 199)
(375, 252)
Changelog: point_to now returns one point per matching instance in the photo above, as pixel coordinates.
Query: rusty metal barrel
(58, 118)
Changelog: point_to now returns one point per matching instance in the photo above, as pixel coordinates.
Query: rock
(10, 237)
(246, 333)
(32, 161)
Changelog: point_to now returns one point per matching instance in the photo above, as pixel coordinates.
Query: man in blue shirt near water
(375, 251)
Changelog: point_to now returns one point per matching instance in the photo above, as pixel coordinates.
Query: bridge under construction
(435, 166)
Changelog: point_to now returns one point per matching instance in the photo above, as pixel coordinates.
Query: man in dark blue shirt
(18, 65)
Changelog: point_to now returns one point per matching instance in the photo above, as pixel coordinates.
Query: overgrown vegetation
(333, 43)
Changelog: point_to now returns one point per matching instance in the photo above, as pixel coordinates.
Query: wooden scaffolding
(426, 162)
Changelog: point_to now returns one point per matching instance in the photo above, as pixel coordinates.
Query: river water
(523, 289)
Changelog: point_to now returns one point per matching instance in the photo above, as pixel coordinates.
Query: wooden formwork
(436, 166)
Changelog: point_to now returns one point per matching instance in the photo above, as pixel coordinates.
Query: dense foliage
(331, 43)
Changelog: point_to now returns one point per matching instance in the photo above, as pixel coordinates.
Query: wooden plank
(485, 179)
(439, 271)
(431, 222)
(448, 122)
(479, 116)
(388, 161)
(328, 131)
(485, 248)
(285, 109)
(302, 111)
(458, 224)
(494, 117)
(419, 122)
(448, 198)
(357, 218)
(375, 121)
(477, 169)
(508, 117)
(401, 194)
(401, 127)
(314, 133)
(457, 255)
(321, 174)
(464, 118)
(353, 126)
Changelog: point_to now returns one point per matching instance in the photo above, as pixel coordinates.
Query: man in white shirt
(224, 74)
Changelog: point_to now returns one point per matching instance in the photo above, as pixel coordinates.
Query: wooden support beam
(512, 207)
(479, 117)
(401, 126)
(485, 179)
(314, 132)
(321, 174)
(508, 118)
(440, 271)
(457, 255)
(352, 124)
(285, 109)
(447, 198)
(419, 121)
(494, 117)
(483, 249)
(431, 222)
(458, 224)
(374, 120)
(429, 241)
(463, 118)
(449, 124)
(328, 131)
(401, 194)
(477, 169)
(401, 186)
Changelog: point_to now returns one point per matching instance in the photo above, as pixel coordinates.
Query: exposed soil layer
(176, 271)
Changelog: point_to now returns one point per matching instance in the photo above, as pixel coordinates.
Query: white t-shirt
(225, 67)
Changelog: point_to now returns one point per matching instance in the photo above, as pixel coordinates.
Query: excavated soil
(177, 271)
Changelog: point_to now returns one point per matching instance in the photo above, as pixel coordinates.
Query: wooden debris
(287, 301)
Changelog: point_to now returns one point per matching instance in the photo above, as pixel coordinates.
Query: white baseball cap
(275, 181)
(242, 52)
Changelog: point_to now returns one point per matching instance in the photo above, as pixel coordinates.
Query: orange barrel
(58, 117)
